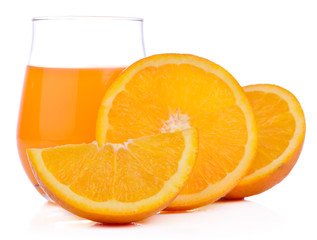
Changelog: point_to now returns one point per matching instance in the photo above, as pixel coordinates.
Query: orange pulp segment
(281, 130)
(117, 183)
(167, 92)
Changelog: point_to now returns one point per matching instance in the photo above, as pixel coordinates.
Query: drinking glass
(72, 63)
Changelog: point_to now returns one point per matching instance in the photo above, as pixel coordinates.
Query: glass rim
(87, 17)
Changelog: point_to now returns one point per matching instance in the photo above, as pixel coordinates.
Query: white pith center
(176, 122)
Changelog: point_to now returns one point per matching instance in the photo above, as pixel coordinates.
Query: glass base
(42, 192)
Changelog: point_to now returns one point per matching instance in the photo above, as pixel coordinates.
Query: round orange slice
(117, 183)
(168, 92)
(281, 130)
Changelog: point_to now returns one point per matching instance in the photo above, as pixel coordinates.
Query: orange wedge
(281, 130)
(117, 183)
(168, 92)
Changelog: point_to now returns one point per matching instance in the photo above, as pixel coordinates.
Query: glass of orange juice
(73, 62)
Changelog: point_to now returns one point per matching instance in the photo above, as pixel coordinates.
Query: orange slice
(117, 183)
(166, 92)
(281, 130)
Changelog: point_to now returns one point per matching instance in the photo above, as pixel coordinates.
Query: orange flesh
(276, 127)
(126, 173)
(59, 106)
(202, 100)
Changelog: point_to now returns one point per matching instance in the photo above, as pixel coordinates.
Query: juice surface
(60, 106)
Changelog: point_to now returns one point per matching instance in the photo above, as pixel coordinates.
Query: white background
(257, 41)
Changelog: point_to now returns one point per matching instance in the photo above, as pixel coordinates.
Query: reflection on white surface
(240, 215)
(51, 215)
(223, 219)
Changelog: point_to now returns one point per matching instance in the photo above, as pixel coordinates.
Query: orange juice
(60, 106)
